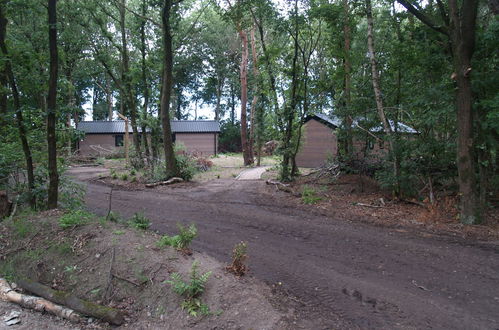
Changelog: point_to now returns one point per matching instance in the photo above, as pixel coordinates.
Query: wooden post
(126, 135)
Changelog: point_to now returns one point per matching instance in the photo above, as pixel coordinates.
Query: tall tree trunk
(17, 107)
(145, 106)
(53, 189)
(347, 36)
(377, 92)
(254, 102)
(247, 156)
(125, 78)
(232, 104)
(462, 34)
(291, 107)
(220, 84)
(109, 98)
(171, 164)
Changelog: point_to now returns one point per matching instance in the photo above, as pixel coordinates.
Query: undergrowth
(139, 221)
(239, 256)
(181, 241)
(191, 290)
(75, 218)
(309, 196)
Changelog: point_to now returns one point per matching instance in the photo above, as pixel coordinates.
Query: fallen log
(282, 187)
(36, 303)
(164, 183)
(367, 205)
(85, 307)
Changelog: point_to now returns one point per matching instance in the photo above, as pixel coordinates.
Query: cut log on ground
(164, 183)
(85, 307)
(282, 187)
(36, 303)
(367, 205)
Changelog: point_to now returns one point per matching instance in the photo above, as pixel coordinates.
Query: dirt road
(341, 273)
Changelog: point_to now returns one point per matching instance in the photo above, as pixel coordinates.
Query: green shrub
(309, 196)
(74, 218)
(124, 176)
(113, 217)
(191, 290)
(238, 258)
(139, 221)
(22, 228)
(182, 240)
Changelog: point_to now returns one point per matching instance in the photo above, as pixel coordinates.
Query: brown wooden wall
(92, 142)
(318, 143)
(203, 143)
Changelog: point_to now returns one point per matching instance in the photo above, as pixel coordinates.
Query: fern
(182, 240)
(191, 290)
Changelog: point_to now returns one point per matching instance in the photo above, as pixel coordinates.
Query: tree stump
(5, 204)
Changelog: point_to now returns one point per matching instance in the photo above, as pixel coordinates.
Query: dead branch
(367, 205)
(283, 187)
(85, 307)
(110, 205)
(109, 286)
(164, 183)
(36, 303)
(125, 279)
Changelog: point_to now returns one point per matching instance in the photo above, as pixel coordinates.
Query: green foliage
(230, 137)
(124, 176)
(75, 218)
(309, 195)
(113, 217)
(239, 257)
(139, 221)
(182, 240)
(21, 226)
(191, 290)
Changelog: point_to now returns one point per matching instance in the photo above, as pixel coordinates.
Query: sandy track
(343, 274)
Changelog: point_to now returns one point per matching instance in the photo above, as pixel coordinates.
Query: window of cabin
(118, 140)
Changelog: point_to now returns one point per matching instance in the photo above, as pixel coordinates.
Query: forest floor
(341, 264)
(119, 266)
(334, 257)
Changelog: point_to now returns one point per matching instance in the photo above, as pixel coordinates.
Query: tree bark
(254, 102)
(347, 36)
(53, 189)
(125, 78)
(377, 92)
(462, 33)
(172, 169)
(17, 107)
(247, 156)
(105, 313)
(291, 107)
(145, 86)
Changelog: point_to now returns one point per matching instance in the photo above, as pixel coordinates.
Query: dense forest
(261, 66)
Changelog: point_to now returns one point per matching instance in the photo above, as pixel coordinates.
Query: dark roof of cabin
(178, 126)
(328, 121)
(334, 123)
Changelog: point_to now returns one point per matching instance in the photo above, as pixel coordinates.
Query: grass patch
(309, 196)
(74, 219)
(180, 241)
(139, 221)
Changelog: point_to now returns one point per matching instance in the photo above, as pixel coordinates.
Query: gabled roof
(195, 126)
(328, 121)
(178, 126)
